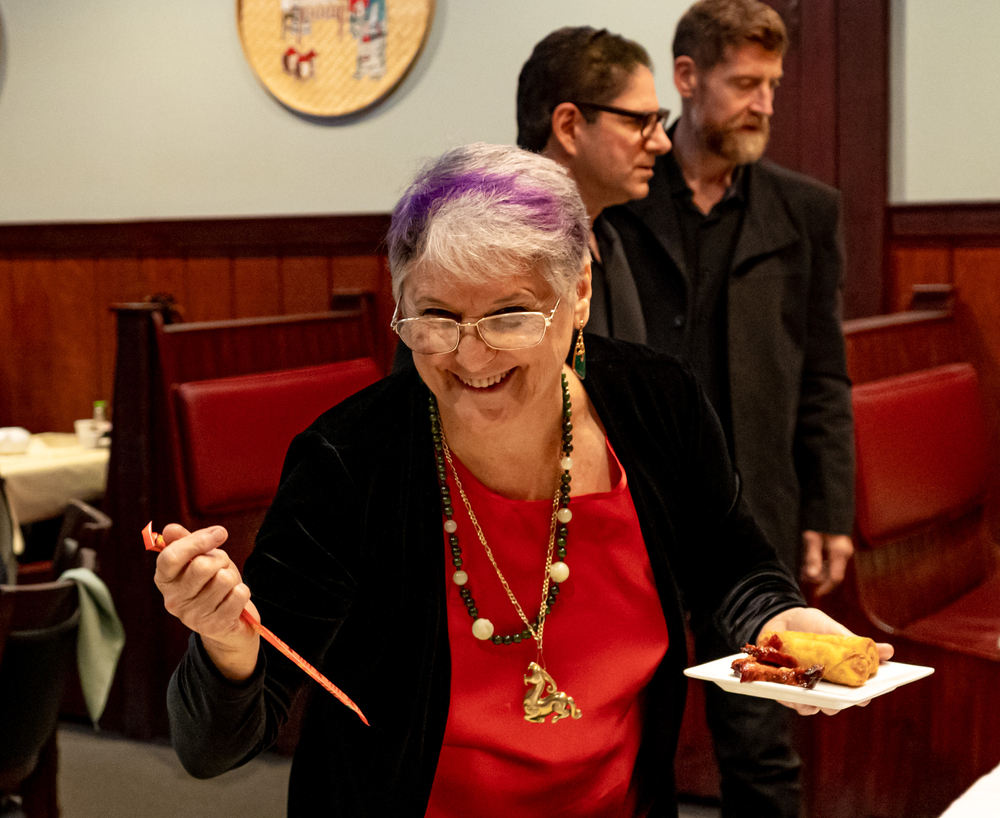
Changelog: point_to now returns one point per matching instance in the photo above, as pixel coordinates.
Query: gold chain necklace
(538, 628)
(543, 697)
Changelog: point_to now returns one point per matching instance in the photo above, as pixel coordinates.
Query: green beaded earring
(580, 355)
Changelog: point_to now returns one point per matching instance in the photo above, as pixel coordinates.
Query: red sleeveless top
(603, 642)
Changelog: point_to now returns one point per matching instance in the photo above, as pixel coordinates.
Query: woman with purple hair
(492, 553)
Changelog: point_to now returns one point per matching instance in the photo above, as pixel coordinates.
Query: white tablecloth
(981, 800)
(54, 470)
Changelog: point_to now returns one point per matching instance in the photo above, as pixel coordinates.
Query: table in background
(54, 470)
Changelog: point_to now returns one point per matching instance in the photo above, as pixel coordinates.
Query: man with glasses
(737, 263)
(586, 99)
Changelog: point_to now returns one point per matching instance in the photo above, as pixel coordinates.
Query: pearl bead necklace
(556, 572)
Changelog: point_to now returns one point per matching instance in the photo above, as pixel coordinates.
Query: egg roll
(846, 660)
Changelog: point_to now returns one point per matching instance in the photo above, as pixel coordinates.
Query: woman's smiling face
(479, 387)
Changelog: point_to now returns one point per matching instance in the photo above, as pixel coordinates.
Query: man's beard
(733, 144)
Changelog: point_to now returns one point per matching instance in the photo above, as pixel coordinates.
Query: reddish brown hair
(709, 27)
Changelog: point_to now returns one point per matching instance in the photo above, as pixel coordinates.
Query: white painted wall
(945, 101)
(132, 109)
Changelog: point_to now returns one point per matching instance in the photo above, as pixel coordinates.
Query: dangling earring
(580, 355)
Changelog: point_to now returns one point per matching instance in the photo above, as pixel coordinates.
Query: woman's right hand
(202, 587)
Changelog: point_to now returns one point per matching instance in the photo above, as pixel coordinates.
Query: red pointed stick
(155, 542)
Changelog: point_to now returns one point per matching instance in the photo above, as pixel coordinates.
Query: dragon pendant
(544, 698)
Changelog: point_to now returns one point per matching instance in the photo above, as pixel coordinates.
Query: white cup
(86, 433)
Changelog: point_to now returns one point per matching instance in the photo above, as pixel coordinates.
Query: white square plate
(826, 694)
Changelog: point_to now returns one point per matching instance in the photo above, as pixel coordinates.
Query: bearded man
(738, 268)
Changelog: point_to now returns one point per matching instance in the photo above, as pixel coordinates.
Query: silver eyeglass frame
(394, 326)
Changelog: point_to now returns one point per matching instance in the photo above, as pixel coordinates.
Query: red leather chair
(925, 576)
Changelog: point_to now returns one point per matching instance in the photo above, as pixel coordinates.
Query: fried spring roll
(847, 660)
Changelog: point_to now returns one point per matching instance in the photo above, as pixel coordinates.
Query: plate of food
(823, 670)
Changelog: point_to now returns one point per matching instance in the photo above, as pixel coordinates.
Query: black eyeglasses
(647, 119)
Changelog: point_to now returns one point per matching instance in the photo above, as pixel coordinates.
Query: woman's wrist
(235, 662)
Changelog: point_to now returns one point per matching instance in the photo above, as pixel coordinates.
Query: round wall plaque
(332, 57)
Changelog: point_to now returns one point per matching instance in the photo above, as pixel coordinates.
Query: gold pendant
(544, 698)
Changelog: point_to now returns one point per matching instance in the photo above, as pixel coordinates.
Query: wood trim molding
(336, 235)
(831, 122)
(945, 221)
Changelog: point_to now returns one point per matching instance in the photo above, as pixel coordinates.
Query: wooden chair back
(38, 625)
(84, 531)
(8, 559)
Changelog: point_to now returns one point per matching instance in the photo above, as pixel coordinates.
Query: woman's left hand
(813, 620)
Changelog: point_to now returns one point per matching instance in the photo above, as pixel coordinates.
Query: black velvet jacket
(348, 569)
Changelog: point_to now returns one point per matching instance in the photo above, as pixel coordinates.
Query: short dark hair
(709, 27)
(572, 65)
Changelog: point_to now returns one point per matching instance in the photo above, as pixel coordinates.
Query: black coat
(349, 568)
(793, 437)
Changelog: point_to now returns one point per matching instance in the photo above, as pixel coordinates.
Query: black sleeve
(823, 447)
(730, 574)
(302, 579)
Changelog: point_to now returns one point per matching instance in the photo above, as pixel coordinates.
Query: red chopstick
(155, 542)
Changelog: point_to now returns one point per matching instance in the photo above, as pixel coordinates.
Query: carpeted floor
(102, 776)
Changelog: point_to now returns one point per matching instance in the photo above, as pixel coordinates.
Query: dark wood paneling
(785, 145)
(912, 266)
(804, 126)
(863, 148)
(163, 274)
(305, 283)
(257, 287)
(258, 236)
(831, 122)
(6, 340)
(74, 335)
(32, 346)
(58, 282)
(953, 222)
(210, 289)
(818, 109)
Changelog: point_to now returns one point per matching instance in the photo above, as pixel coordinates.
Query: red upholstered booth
(927, 568)
(235, 431)
(925, 578)
(231, 434)
(203, 415)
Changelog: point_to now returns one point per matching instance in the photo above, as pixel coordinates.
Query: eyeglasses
(429, 335)
(648, 119)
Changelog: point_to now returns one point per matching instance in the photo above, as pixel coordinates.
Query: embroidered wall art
(331, 58)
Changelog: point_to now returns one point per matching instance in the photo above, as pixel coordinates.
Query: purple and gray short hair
(480, 213)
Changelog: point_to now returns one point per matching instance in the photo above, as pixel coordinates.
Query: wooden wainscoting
(956, 244)
(58, 282)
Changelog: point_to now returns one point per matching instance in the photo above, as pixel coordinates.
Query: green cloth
(99, 639)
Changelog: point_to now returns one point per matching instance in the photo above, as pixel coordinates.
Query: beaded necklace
(544, 698)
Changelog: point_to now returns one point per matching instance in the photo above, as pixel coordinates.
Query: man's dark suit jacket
(791, 406)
